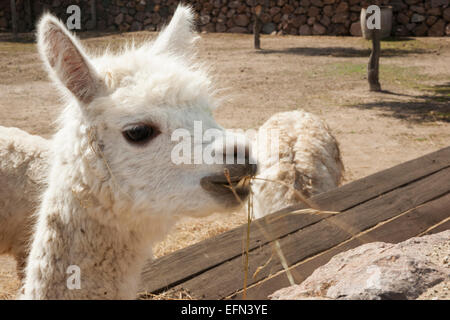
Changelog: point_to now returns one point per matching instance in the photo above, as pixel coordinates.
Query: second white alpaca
(23, 166)
(115, 184)
(308, 160)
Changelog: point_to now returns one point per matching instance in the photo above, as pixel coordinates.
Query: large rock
(446, 14)
(355, 29)
(317, 3)
(136, 26)
(420, 30)
(313, 11)
(401, 31)
(340, 17)
(437, 3)
(305, 3)
(304, 30)
(234, 4)
(328, 11)
(241, 20)
(342, 7)
(431, 20)
(437, 29)
(210, 27)
(434, 12)
(319, 29)
(417, 9)
(379, 270)
(118, 19)
(220, 27)
(274, 10)
(417, 18)
(205, 19)
(287, 9)
(268, 28)
(238, 30)
(402, 18)
(325, 21)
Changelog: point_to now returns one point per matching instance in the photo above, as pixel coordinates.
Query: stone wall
(303, 17)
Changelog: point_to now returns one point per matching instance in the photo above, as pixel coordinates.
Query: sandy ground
(323, 75)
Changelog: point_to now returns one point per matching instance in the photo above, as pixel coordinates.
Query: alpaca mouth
(220, 186)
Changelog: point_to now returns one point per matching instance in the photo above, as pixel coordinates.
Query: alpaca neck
(69, 240)
(79, 229)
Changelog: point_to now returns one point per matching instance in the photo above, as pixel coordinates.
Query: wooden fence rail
(393, 205)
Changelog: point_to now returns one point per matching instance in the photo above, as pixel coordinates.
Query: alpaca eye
(139, 134)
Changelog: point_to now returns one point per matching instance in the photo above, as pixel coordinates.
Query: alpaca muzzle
(235, 178)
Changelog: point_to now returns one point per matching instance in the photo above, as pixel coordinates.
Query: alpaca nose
(238, 166)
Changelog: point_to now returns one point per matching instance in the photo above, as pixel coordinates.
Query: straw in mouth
(221, 182)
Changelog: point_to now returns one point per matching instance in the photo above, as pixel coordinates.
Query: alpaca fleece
(23, 166)
(309, 161)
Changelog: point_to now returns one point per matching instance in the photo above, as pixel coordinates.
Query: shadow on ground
(422, 108)
(28, 37)
(341, 51)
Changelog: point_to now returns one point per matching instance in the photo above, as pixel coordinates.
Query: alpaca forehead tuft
(158, 78)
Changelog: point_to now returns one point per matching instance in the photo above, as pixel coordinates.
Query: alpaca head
(122, 112)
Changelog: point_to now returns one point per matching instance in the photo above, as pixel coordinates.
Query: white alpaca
(23, 164)
(308, 160)
(113, 189)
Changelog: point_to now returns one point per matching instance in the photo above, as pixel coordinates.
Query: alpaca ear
(178, 37)
(65, 59)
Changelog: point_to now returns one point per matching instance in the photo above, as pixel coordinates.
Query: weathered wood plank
(165, 272)
(227, 278)
(384, 181)
(442, 227)
(409, 225)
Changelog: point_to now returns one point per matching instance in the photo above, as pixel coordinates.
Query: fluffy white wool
(309, 161)
(108, 200)
(23, 164)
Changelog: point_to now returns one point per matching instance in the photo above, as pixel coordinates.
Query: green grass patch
(393, 46)
(410, 77)
(443, 91)
(345, 69)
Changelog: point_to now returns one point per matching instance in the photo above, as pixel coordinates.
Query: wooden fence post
(374, 61)
(257, 26)
(14, 18)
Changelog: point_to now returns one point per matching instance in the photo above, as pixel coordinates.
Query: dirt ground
(323, 75)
